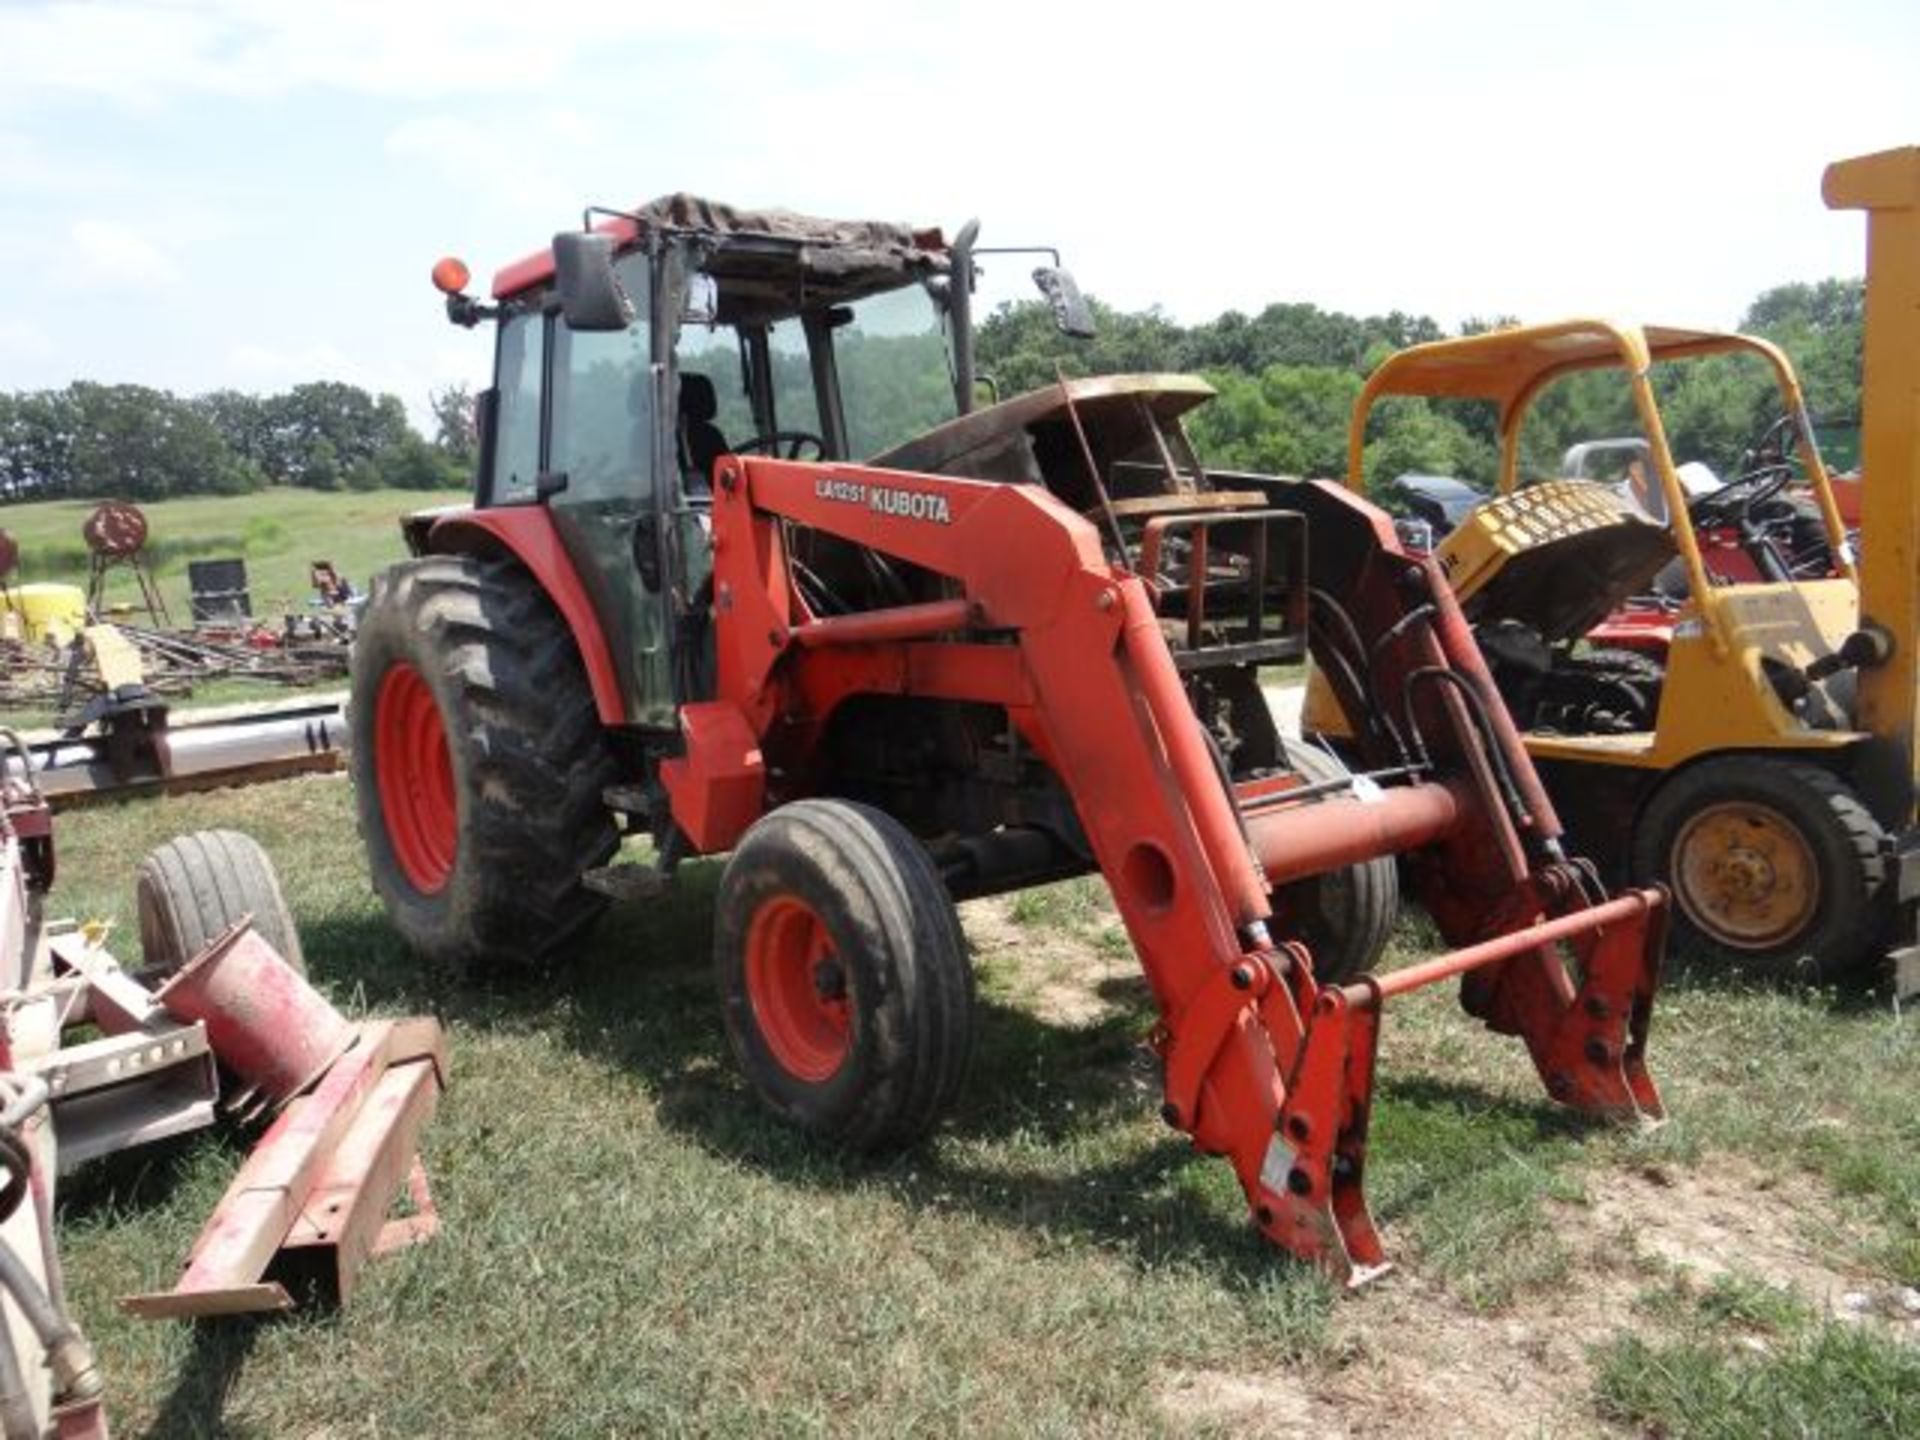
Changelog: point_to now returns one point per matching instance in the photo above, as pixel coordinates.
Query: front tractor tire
(1776, 867)
(847, 990)
(478, 763)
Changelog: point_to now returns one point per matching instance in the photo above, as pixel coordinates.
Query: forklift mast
(1887, 187)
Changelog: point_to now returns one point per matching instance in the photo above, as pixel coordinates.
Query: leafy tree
(1823, 327)
(415, 464)
(319, 431)
(243, 422)
(36, 445)
(454, 431)
(1411, 436)
(1290, 420)
(144, 444)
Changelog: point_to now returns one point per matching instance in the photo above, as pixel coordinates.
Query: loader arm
(1262, 1064)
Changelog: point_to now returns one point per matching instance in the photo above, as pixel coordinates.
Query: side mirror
(700, 303)
(590, 293)
(1070, 309)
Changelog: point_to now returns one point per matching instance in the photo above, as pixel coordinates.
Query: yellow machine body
(1716, 696)
(45, 611)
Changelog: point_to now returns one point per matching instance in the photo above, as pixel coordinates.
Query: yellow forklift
(1748, 742)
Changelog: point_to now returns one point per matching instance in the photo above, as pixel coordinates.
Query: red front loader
(1014, 643)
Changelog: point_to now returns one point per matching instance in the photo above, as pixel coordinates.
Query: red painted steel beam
(1312, 838)
(1210, 807)
(1633, 907)
(899, 622)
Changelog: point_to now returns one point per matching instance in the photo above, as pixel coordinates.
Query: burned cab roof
(835, 260)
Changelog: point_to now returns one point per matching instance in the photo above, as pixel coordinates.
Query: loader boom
(1262, 1064)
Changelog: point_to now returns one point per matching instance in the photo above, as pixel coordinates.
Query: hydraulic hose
(74, 1372)
(16, 1408)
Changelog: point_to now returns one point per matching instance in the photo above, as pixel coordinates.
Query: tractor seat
(701, 442)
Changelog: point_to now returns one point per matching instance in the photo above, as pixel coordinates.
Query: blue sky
(200, 193)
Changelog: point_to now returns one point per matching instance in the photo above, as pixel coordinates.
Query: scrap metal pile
(64, 677)
(49, 647)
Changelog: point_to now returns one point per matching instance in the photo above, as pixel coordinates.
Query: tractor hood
(1029, 439)
(1558, 556)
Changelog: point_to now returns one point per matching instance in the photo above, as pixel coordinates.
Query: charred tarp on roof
(833, 247)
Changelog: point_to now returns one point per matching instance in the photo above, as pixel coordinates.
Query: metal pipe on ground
(238, 749)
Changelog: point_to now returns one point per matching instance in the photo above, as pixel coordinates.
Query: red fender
(527, 531)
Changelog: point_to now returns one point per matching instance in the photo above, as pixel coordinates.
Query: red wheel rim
(415, 774)
(798, 989)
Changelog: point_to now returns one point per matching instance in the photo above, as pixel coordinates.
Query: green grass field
(631, 1247)
(277, 532)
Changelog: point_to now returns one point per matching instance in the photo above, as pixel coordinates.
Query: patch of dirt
(1253, 1405)
(1408, 1358)
(1730, 1216)
(1058, 976)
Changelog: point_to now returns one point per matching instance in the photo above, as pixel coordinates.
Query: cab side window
(602, 422)
(518, 368)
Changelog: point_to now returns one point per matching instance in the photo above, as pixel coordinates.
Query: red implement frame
(1263, 1065)
(317, 1185)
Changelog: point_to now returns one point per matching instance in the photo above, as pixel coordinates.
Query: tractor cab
(632, 355)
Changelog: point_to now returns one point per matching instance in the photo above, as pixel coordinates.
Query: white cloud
(520, 162)
(23, 340)
(112, 254)
(144, 51)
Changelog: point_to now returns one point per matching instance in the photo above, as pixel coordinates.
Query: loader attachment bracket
(1589, 1045)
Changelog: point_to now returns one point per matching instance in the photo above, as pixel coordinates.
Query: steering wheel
(1767, 468)
(772, 440)
(1776, 444)
(1745, 493)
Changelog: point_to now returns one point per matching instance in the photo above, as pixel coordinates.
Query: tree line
(1288, 377)
(132, 442)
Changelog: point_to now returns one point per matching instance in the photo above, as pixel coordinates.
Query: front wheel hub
(1745, 875)
(798, 989)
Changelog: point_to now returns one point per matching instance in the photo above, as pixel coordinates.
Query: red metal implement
(317, 1144)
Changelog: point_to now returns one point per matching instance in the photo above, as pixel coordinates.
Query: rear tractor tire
(1344, 917)
(191, 889)
(847, 990)
(478, 762)
(1776, 868)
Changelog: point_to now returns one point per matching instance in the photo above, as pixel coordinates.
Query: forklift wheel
(848, 994)
(1775, 867)
(195, 886)
(1345, 916)
(479, 763)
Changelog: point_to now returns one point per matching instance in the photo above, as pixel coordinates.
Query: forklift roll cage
(1510, 369)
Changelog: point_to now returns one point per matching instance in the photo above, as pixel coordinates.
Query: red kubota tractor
(1011, 644)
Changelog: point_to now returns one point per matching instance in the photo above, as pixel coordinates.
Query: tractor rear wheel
(478, 762)
(1345, 916)
(847, 989)
(1775, 867)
